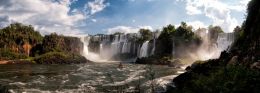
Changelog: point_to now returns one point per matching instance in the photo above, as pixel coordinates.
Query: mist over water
(144, 50)
(212, 50)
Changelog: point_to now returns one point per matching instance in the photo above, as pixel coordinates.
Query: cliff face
(56, 43)
(247, 47)
(19, 41)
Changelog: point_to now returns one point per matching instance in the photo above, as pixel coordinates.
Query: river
(86, 78)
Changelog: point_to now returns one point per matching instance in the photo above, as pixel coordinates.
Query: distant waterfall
(173, 49)
(126, 46)
(85, 41)
(154, 43)
(225, 40)
(111, 47)
(86, 53)
(209, 50)
(144, 49)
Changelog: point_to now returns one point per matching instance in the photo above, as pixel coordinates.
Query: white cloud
(217, 10)
(96, 6)
(146, 27)
(122, 29)
(47, 16)
(193, 10)
(197, 24)
(127, 29)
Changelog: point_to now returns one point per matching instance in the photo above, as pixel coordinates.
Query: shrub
(6, 54)
(59, 58)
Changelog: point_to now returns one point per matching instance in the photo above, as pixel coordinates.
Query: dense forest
(21, 42)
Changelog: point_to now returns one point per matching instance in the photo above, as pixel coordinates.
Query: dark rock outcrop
(4, 89)
(236, 71)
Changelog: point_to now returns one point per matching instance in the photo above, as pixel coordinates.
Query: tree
(14, 36)
(164, 42)
(146, 34)
(213, 33)
(52, 43)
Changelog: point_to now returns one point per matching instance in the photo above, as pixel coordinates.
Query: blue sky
(78, 17)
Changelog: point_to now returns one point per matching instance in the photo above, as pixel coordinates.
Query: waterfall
(209, 50)
(173, 49)
(225, 40)
(101, 49)
(144, 49)
(126, 47)
(154, 42)
(89, 55)
(109, 47)
(85, 41)
(115, 46)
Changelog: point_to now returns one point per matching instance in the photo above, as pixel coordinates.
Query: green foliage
(213, 33)
(185, 35)
(164, 44)
(230, 79)
(57, 43)
(94, 45)
(17, 34)
(14, 36)
(6, 54)
(146, 34)
(118, 33)
(52, 43)
(171, 38)
(59, 58)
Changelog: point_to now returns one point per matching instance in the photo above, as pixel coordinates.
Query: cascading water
(115, 45)
(85, 41)
(225, 40)
(126, 47)
(154, 42)
(86, 53)
(110, 47)
(209, 50)
(173, 49)
(144, 49)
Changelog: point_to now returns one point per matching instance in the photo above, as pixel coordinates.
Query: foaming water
(83, 78)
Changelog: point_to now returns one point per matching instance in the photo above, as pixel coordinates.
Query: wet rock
(255, 65)
(233, 60)
(194, 65)
(188, 68)
(3, 89)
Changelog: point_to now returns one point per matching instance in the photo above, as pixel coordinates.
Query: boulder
(255, 65)
(233, 60)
